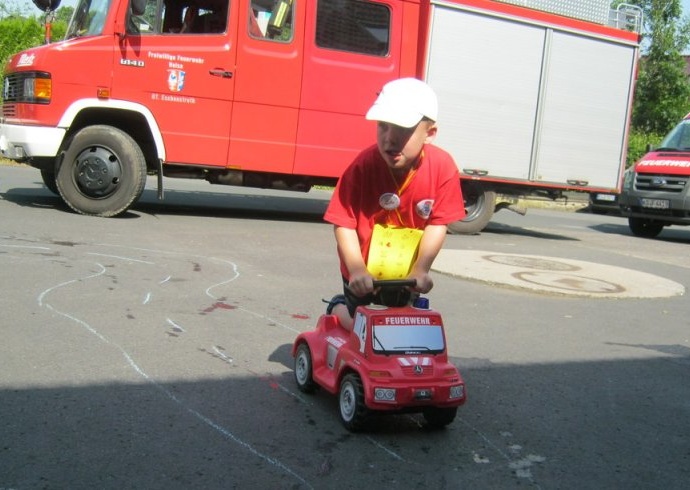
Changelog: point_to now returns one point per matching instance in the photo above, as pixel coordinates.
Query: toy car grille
(418, 371)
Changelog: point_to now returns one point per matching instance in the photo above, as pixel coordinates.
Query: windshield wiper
(411, 347)
(376, 339)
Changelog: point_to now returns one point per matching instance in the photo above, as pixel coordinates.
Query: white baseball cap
(404, 102)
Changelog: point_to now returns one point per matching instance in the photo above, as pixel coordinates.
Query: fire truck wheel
(48, 177)
(102, 173)
(479, 206)
(437, 418)
(645, 228)
(353, 411)
(303, 369)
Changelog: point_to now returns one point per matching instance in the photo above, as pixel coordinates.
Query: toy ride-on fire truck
(394, 360)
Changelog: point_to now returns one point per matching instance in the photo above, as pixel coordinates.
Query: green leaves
(19, 31)
(662, 94)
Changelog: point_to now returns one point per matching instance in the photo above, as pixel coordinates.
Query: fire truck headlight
(384, 394)
(44, 89)
(457, 391)
(37, 89)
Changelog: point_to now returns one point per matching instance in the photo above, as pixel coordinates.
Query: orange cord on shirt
(401, 188)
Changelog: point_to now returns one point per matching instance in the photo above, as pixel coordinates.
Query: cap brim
(393, 115)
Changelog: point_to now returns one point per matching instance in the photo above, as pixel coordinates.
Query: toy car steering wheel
(395, 283)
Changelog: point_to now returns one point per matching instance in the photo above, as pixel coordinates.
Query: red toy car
(394, 360)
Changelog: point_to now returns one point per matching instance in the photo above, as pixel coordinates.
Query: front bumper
(678, 211)
(410, 396)
(19, 142)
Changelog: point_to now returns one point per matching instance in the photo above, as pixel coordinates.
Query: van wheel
(102, 172)
(479, 206)
(645, 228)
(353, 412)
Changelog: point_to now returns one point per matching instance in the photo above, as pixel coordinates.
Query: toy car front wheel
(437, 418)
(353, 411)
(303, 369)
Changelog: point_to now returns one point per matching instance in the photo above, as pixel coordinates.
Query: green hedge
(637, 144)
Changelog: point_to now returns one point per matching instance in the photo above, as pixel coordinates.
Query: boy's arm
(361, 281)
(429, 247)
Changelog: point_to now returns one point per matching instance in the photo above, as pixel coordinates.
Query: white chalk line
(222, 430)
(270, 320)
(222, 355)
(175, 325)
(128, 259)
(30, 247)
(208, 291)
(385, 449)
(519, 465)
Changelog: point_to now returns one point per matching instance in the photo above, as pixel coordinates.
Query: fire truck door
(267, 85)
(352, 48)
(178, 59)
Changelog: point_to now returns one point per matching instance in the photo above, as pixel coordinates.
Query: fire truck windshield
(408, 338)
(88, 18)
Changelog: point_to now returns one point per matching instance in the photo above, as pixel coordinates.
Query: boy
(392, 205)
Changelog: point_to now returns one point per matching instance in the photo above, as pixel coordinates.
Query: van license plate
(606, 197)
(655, 203)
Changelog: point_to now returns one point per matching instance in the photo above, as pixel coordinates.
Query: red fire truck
(535, 94)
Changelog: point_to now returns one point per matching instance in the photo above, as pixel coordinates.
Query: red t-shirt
(431, 197)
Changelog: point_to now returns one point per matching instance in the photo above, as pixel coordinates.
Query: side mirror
(649, 147)
(138, 7)
(46, 5)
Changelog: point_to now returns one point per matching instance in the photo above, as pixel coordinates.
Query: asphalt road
(152, 351)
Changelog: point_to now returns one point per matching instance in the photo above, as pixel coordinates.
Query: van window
(271, 20)
(353, 25)
(181, 17)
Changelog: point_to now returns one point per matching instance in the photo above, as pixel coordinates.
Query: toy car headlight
(384, 394)
(457, 391)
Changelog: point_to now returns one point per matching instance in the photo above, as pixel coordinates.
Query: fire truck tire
(304, 369)
(48, 177)
(102, 172)
(437, 418)
(353, 411)
(480, 203)
(645, 228)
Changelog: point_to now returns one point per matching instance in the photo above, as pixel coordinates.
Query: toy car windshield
(418, 339)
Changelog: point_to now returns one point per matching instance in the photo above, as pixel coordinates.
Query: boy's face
(400, 147)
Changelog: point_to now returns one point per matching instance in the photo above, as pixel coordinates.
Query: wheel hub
(347, 403)
(97, 172)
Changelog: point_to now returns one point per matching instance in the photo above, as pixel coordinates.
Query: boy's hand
(424, 281)
(361, 283)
